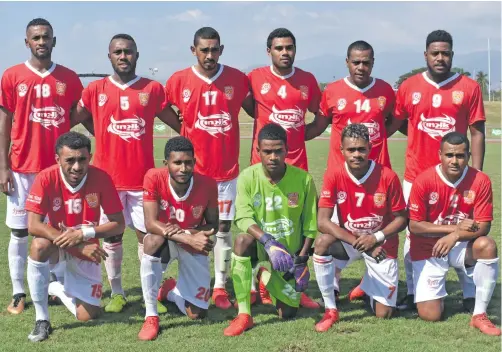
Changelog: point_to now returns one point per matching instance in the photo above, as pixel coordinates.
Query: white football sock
(151, 274)
(58, 270)
(408, 266)
(253, 281)
(178, 300)
(113, 265)
(466, 282)
(57, 289)
(485, 278)
(164, 267)
(17, 255)
(223, 242)
(140, 251)
(325, 276)
(38, 282)
(338, 265)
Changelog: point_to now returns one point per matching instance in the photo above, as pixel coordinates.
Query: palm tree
(482, 79)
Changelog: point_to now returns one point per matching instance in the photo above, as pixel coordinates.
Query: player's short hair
(455, 138)
(280, 33)
(178, 144)
(272, 132)
(38, 22)
(123, 36)
(360, 45)
(356, 130)
(438, 36)
(205, 33)
(73, 140)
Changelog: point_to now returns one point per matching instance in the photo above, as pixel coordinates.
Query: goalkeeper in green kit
(276, 207)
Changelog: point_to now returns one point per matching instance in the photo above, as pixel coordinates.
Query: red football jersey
(433, 110)
(187, 211)
(344, 103)
(366, 204)
(123, 118)
(41, 104)
(284, 100)
(436, 200)
(210, 109)
(75, 207)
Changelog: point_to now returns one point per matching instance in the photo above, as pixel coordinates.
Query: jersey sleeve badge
(186, 95)
(415, 98)
(265, 88)
(22, 89)
(341, 104)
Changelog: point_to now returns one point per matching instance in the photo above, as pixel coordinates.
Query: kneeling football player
(71, 194)
(276, 206)
(181, 213)
(370, 213)
(451, 210)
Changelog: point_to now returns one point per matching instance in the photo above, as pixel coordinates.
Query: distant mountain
(390, 65)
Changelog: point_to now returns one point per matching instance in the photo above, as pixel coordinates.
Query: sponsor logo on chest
(288, 118)
(48, 116)
(214, 124)
(127, 128)
(436, 127)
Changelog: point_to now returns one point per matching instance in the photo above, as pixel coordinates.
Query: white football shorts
(132, 201)
(227, 191)
(429, 275)
(16, 216)
(380, 280)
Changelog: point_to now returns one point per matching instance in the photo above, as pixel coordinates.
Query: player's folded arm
(317, 126)
(211, 217)
(483, 230)
(38, 228)
(170, 118)
(397, 225)
(115, 226)
(428, 229)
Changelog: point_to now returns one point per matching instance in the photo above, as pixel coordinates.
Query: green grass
(358, 330)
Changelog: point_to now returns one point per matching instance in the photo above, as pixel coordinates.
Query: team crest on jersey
(415, 98)
(256, 200)
(229, 92)
(47, 116)
(197, 211)
(381, 102)
(186, 95)
(163, 204)
(433, 198)
(102, 98)
(22, 89)
(341, 104)
(127, 128)
(379, 199)
(436, 100)
(469, 196)
(265, 88)
(341, 197)
(457, 97)
(293, 199)
(60, 88)
(436, 127)
(92, 199)
(304, 92)
(288, 118)
(144, 97)
(56, 203)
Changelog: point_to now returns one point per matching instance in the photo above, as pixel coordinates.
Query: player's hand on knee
(302, 273)
(468, 225)
(6, 181)
(365, 243)
(377, 253)
(93, 252)
(278, 255)
(201, 241)
(70, 237)
(171, 230)
(444, 245)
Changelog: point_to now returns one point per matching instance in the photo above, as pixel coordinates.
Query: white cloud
(189, 16)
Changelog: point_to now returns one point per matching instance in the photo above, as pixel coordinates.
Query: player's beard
(44, 56)
(130, 71)
(446, 73)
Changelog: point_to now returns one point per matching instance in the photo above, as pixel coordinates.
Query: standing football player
(435, 103)
(209, 96)
(123, 107)
(181, 213)
(276, 207)
(71, 194)
(371, 211)
(283, 94)
(451, 210)
(36, 98)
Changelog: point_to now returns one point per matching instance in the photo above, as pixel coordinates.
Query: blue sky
(164, 30)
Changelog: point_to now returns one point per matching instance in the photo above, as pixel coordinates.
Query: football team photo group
(243, 235)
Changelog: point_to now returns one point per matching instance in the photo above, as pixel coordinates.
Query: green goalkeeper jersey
(286, 210)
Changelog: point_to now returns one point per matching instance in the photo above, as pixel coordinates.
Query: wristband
(380, 237)
(265, 238)
(89, 232)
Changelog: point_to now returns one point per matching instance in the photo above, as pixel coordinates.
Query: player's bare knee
(484, 247)
(224, 226)
(194, 312)
(140, 235)
(428, 313)
(243, 245)
(322, 244)
(114, 239)
(384, 312)
(41, 249)
(152, 244)
(19, 233)
(87, 312)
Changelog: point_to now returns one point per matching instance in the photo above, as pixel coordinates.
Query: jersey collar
(365, 177)
(282, 77)
(173, 193)
(440, 84)
(37, 72)
(209, 80)
(125, 85)
(363, 90)
(445, 180)
(73, 190)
